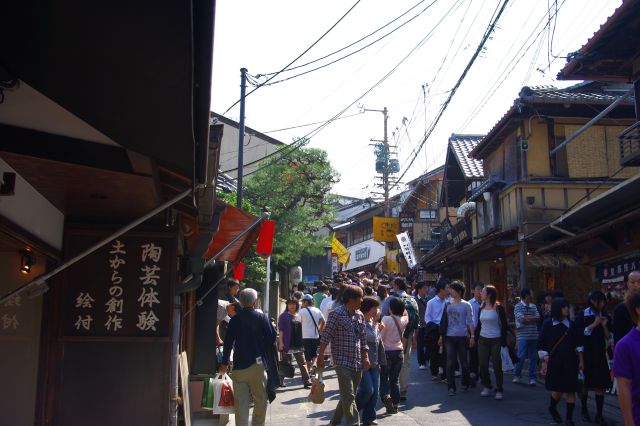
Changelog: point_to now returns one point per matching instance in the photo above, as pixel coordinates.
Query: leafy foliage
(295, 188)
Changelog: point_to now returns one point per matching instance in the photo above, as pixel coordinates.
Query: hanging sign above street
(385, 229)
(407, 249)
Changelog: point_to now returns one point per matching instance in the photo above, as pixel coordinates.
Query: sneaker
(435, 378)
(458, 374)
(473, 376)
(532, 382)
(499, 395)
(465, 388)
(452, 392)
(440, 371)
(516, 379)
(422, 367)
(485, 392)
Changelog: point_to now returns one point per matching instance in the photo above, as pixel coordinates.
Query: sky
(410, 71)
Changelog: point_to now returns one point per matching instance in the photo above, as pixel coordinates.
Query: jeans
(490, 348)
(394, 365)
(421, 346)
(473, 361)
(367, 394)
(457, 350)
(436, 358)
(348, 381)
(527, 349)
(247, 383)
(404, 372)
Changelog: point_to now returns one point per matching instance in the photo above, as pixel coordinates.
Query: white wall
(255, 148)
(376, 251)
(31, 211)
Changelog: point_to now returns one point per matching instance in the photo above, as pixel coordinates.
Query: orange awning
(232, 221)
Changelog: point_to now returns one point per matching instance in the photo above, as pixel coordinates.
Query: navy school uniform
(562, 369)
(596, 366)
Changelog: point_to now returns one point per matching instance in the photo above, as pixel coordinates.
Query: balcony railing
(630, 146)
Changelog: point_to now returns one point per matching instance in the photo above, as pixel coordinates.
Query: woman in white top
(491, 335)
(391, 336)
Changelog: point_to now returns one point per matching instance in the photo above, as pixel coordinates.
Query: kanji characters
(113, 321)
(148, 297)
(147, 320)
(84, 322)
(84, 300)
(151, 251)
(151, 276)
(9, 321)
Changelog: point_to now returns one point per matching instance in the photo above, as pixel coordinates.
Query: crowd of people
(366, 325)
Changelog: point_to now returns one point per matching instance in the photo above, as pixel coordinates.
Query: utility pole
(243, 90)
(385, 156)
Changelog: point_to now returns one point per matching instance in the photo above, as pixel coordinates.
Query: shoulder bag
(314, 321)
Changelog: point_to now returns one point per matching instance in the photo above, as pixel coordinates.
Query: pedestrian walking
(457, 335)
(394, 347)
(491, 335)
(622, 322)
(433, 316)
(594, 324)
(559, 346)
(421, 333)
(346, 331)
(369, 388)
(321, 293)
(475, 302)
(527, 318)
(290, 340)
(312, 323)
(249, 334)
(233, 287)
(626, 363)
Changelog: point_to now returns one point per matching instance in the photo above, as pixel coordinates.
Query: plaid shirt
(348, 337)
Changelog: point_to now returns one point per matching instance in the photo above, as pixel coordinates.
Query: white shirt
(308, 327)
(326, 306)
(475, 305)
(434, 310)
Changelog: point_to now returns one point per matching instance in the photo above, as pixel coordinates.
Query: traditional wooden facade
(525, 187)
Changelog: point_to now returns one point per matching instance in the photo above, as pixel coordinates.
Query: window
(487, 214)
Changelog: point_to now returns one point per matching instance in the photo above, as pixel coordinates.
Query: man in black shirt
(622, 323)
(249, 334)
(233, 287)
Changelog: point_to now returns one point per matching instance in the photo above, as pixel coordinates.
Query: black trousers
(421, 346)
(437, 354)
(473, 360)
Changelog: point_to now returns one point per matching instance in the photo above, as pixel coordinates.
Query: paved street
(428, 404)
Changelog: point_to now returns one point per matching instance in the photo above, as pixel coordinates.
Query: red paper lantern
(265, 239)
(238, 271)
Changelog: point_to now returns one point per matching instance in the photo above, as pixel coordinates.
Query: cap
(308, 297)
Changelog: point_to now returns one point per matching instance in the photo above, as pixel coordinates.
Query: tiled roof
(599, 94)
(462, 145)
(581, 93)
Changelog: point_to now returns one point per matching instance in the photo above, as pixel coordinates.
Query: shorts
(310, 348)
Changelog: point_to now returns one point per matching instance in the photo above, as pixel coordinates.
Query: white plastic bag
(222, 394)
(507, 364)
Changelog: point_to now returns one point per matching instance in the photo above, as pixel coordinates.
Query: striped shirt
(529, 330)
(348, 337)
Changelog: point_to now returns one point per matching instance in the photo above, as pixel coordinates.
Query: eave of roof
(247, 129)
(596, 41)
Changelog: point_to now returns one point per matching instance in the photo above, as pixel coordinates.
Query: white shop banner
(407, 249)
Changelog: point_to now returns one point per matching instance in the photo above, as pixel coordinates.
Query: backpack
(412, 311)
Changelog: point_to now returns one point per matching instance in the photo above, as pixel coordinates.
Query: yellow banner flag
(340, 251)
(386, 228)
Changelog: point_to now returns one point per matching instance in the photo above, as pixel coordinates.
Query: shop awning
(232, 222)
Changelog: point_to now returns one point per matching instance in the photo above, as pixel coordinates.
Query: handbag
(222, 394)
(285, 368)
(545, 364)
(207, 394)
(507, 364)
(316, 395)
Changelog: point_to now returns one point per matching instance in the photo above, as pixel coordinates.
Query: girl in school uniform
(559, 345)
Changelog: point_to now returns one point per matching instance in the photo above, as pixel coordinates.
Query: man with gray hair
(249, 334)
(622, 322)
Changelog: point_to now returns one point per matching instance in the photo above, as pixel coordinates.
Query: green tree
(295, 188)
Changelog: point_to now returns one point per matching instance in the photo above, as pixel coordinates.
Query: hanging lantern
(238, 271)
(265, 239)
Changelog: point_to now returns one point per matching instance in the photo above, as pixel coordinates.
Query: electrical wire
(483, 41)
(298, 57)
(351, 53)
(312, 124)
(305, 139)
(349, 45)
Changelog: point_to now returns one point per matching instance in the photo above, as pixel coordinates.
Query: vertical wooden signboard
(116, 324)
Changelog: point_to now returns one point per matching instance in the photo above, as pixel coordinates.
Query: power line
(312, 124)
(349, 45)
(486, 36)
(352, 53)
(298, 57)
(304, 140)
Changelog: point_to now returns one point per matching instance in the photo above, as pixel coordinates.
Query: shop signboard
(460, 233)
(611, 270)
(385, 228)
